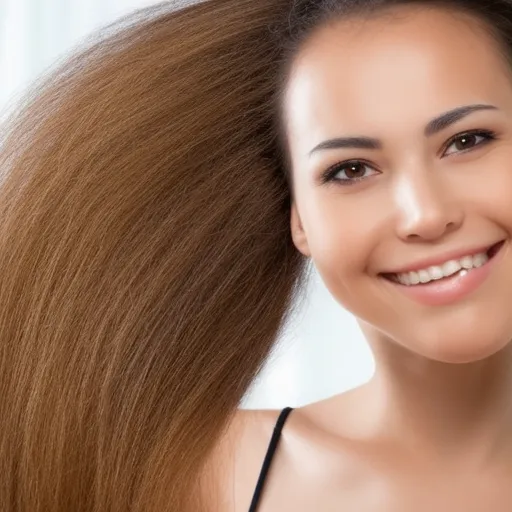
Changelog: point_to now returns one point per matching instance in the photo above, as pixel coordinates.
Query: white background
(323, 352)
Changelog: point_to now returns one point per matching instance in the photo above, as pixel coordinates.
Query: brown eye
(470, 140)
(354, 170)
(465, 142)
(348, 173)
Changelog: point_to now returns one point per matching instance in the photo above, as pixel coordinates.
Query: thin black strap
(268, 457)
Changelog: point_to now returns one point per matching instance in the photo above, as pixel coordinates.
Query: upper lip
(455, 254)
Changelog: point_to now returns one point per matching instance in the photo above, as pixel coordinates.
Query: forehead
(373, 75)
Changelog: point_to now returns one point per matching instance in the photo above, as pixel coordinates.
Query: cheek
(341, 245)
(487, 190)
(498, 193)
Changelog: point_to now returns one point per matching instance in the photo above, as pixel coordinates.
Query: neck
(462, 411)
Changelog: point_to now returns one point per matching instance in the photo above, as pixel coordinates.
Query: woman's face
(419, 193)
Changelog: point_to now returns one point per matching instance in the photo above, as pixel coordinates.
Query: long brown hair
(145, 251)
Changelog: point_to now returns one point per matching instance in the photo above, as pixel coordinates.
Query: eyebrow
(434, 126)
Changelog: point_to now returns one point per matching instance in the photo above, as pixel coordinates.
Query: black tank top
(268, 457)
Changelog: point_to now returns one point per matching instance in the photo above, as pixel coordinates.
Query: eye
(468, 140)
(353, 172)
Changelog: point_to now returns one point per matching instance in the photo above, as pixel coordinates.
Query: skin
(433, 427)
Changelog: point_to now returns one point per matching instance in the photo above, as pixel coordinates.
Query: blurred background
(322, 352)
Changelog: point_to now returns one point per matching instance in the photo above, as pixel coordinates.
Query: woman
(163, 192)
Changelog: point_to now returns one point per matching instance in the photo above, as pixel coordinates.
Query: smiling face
(428, 97)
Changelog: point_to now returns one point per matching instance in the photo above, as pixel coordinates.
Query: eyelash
(331, 172)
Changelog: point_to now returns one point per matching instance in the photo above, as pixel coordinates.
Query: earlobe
(298, 234)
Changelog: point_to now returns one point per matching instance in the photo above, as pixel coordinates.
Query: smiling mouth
(435, 273)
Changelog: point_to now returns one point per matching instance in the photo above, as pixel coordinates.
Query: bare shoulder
(317, 441)
(232, 471)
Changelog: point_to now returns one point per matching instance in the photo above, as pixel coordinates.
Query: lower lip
(450, 289)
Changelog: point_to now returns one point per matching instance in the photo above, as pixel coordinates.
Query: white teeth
(467, 262)
(480, 259)
(435, 272)
(414, 278)
(451, 267)
(440, 271)
(424, 276)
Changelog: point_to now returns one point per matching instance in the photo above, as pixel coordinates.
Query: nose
(427, 209)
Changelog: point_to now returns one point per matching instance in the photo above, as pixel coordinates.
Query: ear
(298, 234)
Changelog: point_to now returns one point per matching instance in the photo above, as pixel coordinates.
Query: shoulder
(318, 440)
(231, 472)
